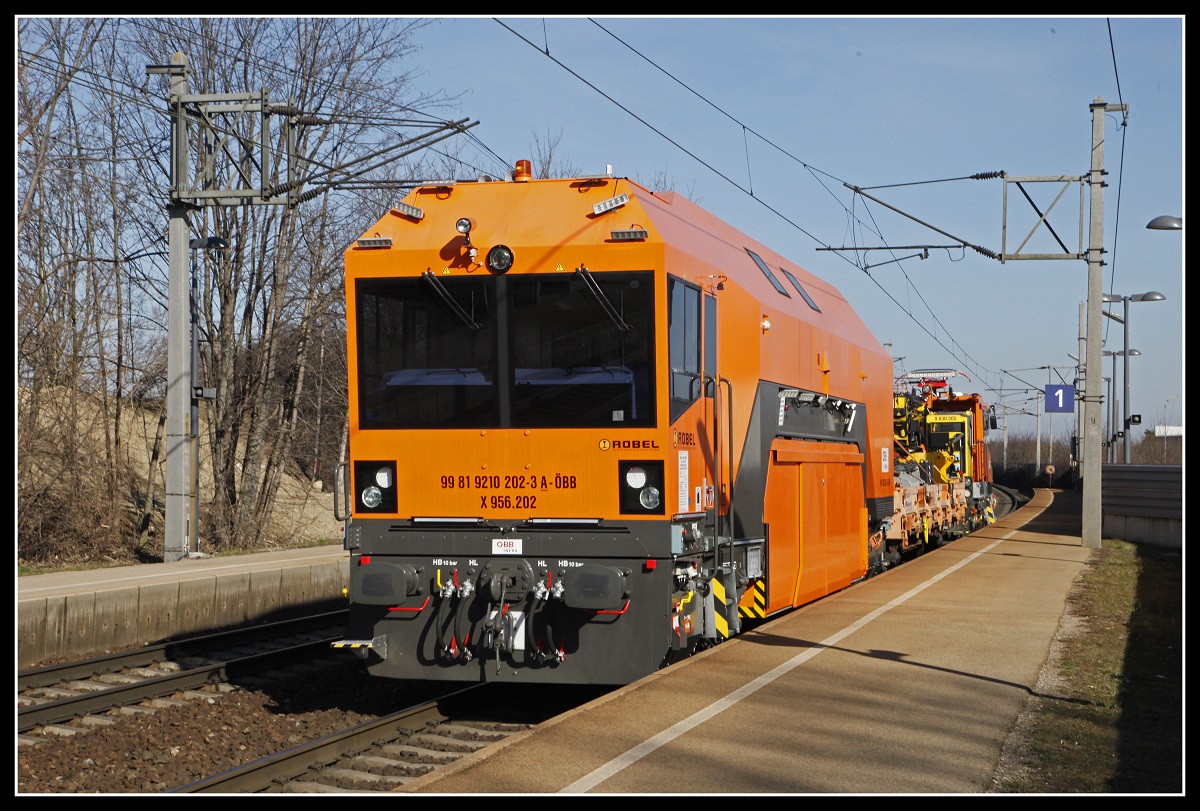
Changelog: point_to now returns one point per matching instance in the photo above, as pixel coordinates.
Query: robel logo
(628, 444)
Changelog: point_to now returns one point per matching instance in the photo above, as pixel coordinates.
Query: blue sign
(1060, 399)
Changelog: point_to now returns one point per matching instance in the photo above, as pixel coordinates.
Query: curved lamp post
(1153, 295)
(1112, 422)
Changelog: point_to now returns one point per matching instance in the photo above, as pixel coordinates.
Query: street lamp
(1165, 223)
(1153, 295)
(197, 393)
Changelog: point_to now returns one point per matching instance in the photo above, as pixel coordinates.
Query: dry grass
(72, 517)
(1108, 716)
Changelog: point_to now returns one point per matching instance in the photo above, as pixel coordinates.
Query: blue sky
(764, 120)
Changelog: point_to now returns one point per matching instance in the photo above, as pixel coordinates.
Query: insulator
(987, 175)
(986, 252)
(285, 109)
(308, 195)
(278, 189)
(312, 120)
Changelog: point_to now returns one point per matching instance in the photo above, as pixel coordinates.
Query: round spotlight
(500, 259)
(383, 477)
(464, 225)
(635, 477)
(372, 497)
(649, 497)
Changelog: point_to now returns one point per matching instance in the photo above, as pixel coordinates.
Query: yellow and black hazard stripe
(721, 601)
(361, 646)
(754, 601)
(351, 644)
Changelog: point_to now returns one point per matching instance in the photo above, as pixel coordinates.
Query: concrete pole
(1110, 434)
(1004, 455)
(179, 391)
(1080, 412)
(1094, 395)
(179, 382)
(1049, 434)
(194, 417)
(1125, 380)
(1037, 464)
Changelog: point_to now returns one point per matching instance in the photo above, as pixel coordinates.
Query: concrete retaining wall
(1143, 504)
(92, 621)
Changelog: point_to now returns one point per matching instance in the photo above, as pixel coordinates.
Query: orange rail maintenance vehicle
(594, 428)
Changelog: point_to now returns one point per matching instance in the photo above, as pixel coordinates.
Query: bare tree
(283, 275)
(546, 160)
(663, 182)
(65, 496)
(93, 168)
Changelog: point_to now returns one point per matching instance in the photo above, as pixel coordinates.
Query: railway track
(72, 697)
(382, 754)
(92, 719)
(1007, 500)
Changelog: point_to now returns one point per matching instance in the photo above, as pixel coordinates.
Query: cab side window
(683, 301)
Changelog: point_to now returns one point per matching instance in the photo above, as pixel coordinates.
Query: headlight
(372, 497)
(641, 487)
(500, 259)
(377, 483)
(649, 498)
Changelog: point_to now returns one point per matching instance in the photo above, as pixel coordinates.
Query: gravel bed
(178, 745)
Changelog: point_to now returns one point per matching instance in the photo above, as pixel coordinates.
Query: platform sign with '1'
(1060, 399)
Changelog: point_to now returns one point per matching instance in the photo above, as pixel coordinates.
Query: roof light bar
(374, 242)
(405, 210)
(630, 235)
(611, 203)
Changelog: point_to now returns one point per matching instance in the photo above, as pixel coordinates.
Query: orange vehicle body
(632, 431)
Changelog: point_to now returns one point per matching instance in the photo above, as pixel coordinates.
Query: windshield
(547, 350)
(947, 435)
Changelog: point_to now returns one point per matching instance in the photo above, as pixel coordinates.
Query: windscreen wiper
(602, 299)
(449, 301)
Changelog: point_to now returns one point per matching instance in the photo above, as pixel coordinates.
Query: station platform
(79, 613)
(909, 682)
